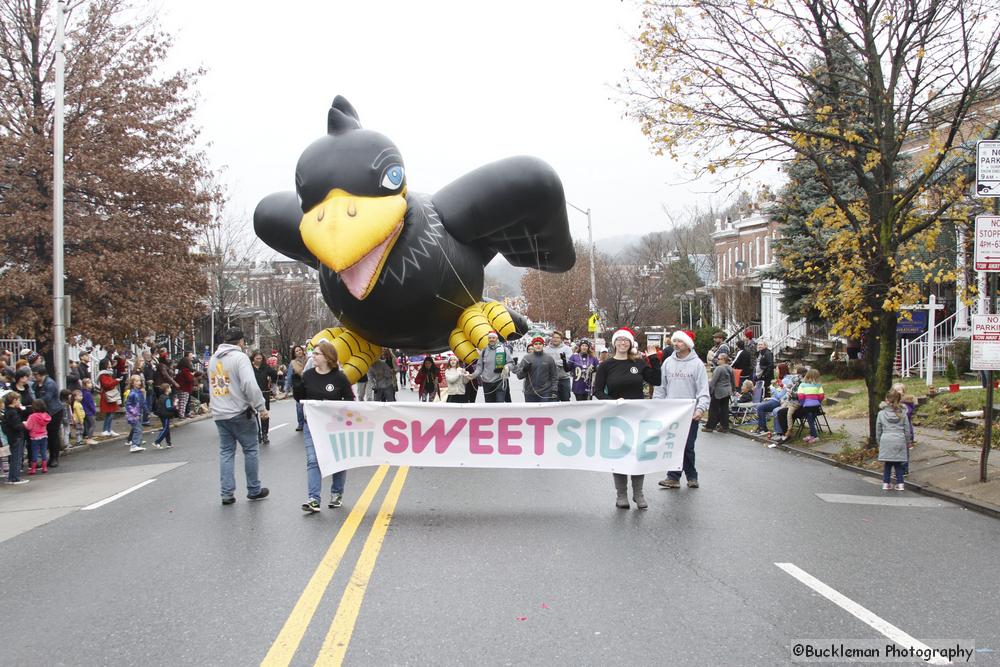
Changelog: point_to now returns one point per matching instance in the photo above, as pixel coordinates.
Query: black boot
(621, 487)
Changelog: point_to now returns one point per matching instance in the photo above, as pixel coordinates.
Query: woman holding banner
(323, 382)
(622, 376)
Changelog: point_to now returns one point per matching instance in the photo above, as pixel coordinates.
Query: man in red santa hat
(683, 376)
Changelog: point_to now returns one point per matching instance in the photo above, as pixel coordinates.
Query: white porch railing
(796, 331)
(913, 353)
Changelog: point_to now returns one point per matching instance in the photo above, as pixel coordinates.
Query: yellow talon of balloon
(354, 353)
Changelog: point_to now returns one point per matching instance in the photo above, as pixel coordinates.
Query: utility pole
(593, 280)
(58, 305)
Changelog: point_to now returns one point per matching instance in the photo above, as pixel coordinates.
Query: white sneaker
(106, 434)
(113, 434)
(20, 481)
(886, 486)
(901, 487)
(135, 448)
(772, 445)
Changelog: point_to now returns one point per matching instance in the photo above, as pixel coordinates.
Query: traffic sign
(988, 168)
(987, 243)
(985, 343)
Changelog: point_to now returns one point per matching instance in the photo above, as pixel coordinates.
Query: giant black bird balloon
(403, 269)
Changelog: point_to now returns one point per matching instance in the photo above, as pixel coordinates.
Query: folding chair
(821, 420)
(746, 413)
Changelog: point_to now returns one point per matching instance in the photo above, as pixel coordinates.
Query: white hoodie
(684, 378)
(233, 384)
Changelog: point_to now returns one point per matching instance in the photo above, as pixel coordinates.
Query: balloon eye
(393, 177)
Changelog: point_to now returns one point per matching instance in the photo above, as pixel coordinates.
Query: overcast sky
(454, 84)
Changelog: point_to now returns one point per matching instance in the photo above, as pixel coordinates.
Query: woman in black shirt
(322, 382)
(622, 376)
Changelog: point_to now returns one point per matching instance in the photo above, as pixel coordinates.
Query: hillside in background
(503, 279)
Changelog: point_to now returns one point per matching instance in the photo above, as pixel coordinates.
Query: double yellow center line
(339, 635)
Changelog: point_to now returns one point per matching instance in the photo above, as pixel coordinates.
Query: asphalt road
(490, 567)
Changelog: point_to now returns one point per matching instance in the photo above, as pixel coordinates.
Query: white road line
(275, 428)
(101, 503)
(856, 610)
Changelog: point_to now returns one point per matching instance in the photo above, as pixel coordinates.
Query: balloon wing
(515, 207)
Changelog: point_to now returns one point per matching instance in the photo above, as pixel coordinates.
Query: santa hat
(686, 337)
(624, 332)
(538, 339)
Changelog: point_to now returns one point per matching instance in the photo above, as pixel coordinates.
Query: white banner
(633, 437)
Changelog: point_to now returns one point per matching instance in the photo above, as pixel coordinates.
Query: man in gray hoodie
(683, 376)
(235, 398)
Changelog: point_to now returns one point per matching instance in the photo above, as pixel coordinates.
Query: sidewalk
(939, 465)
(121, 427)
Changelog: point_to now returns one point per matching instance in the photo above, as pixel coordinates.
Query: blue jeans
(314, 478)
(765, 409)
(887, 468)
(809, 413)
(689, 469)
(165, 431)
(108, 417)
(135, 434)
(300, 414)
(38, 452)
(244, 431)
(16, 456)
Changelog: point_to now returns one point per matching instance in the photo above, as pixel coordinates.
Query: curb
(982, 507)
(79, 449)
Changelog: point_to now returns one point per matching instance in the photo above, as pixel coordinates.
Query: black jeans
(563, 390)
(718, 413)
(55, 441)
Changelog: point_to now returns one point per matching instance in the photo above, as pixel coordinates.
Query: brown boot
(637, 495)
(621, 487)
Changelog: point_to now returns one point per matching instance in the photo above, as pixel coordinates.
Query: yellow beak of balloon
(353, 236)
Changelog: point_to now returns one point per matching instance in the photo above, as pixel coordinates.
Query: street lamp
(593, 282)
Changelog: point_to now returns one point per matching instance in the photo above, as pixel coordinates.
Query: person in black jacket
(164, 409)
(622, 376)
(13, 426)
(764, 369)
(47, 390)
(742, 360)
(538, 370)
(324, 381)
(267, 379)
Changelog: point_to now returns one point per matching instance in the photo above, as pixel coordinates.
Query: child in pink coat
(36, 424)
